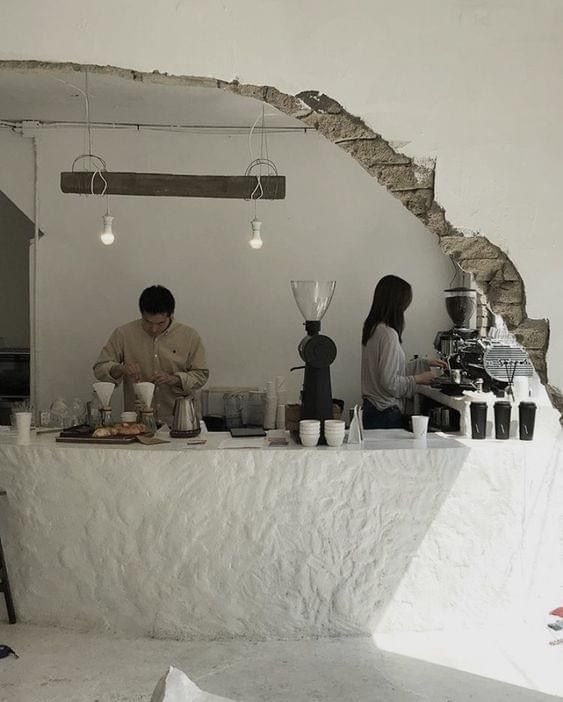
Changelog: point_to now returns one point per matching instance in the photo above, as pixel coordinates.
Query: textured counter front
(285, 542)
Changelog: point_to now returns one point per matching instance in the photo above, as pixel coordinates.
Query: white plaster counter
(283, 542)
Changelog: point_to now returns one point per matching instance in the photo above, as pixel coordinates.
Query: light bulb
(256, 241)
(107, 236)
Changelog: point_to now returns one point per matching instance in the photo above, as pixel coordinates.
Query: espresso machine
(476, 363)
(317, 350)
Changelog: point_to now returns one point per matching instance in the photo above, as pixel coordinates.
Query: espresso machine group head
(317, 350)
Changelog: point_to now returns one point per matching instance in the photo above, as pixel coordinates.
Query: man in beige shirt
(157, 349)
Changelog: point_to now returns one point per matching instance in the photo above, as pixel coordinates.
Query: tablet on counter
(247, 431)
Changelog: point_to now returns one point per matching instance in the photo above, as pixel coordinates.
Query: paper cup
(419, 426)
(23, 427)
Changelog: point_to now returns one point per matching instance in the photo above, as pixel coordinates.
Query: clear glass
(313, 297)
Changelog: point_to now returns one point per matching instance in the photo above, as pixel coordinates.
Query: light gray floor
(66, 666)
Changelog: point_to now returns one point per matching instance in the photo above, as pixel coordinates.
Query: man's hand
(133, 370)
(163, 378)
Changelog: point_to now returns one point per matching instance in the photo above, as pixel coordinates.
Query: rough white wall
(336, 223)
(475, 83)
(281, 543)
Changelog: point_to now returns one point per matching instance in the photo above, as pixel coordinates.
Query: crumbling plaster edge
(412, 183)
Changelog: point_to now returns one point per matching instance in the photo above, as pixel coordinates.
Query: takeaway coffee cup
(527, 420)
(502, 419)
(478, 412)
(23, 427)
(419, 426)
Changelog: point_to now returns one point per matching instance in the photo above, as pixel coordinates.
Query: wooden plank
(174, 185)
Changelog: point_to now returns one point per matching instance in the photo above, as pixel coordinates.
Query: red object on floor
(557, 612)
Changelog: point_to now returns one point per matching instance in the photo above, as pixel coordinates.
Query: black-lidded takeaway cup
(478, 420)
(527, 420)
(502, 419)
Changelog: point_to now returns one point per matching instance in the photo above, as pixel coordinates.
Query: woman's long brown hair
(391, 298)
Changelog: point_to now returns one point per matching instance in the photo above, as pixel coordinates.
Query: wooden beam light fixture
(174, 185)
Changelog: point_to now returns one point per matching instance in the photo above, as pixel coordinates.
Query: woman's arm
(391, 363)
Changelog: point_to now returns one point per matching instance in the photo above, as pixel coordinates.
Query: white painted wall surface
(475, 83)
(336, 223)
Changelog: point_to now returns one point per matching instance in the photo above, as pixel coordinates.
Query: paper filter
(104, 392)
(144, 392)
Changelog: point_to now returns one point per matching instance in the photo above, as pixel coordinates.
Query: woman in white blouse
(385, 384)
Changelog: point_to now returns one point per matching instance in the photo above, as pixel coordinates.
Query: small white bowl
(334, 423)
(309, 423)
(309, 441)
(334, 440)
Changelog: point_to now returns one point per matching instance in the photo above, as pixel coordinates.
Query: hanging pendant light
(107, 236)
(255, 242)
(263, 162)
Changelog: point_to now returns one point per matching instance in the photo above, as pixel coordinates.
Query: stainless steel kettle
(186, 422)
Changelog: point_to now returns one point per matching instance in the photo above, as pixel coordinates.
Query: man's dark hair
(391, 298)
(157, 300)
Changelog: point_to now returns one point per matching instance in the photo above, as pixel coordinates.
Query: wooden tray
(116, 440)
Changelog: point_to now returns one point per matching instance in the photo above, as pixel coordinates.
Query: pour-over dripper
(313, 297)
(460, 305)
(104, 392)
(144, 392)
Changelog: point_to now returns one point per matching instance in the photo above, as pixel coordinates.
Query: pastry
(127, 429)
(103, 432)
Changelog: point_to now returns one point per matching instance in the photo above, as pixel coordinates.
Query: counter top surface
(374, 440)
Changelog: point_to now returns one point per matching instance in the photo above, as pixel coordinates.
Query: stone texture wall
(411, 183)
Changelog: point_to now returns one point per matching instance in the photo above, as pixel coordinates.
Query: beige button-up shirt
(177, 351)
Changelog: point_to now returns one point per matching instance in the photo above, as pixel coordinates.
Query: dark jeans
(390, 418)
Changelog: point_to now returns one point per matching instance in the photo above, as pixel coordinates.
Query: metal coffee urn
(317, 350)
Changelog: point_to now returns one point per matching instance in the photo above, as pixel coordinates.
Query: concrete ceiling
(39, 94)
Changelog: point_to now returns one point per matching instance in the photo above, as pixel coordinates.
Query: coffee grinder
(318, 351)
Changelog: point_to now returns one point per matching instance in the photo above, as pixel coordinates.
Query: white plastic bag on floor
(175, 686)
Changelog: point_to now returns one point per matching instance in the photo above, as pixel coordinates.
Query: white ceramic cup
(23, 427)
(436, 371)
(334, 439)
(419, 425)
(334, 424)
(129, 417)
(309, 440)
(310, 423)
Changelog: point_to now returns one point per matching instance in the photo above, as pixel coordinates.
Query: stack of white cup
(309, 432)
(334, 431)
